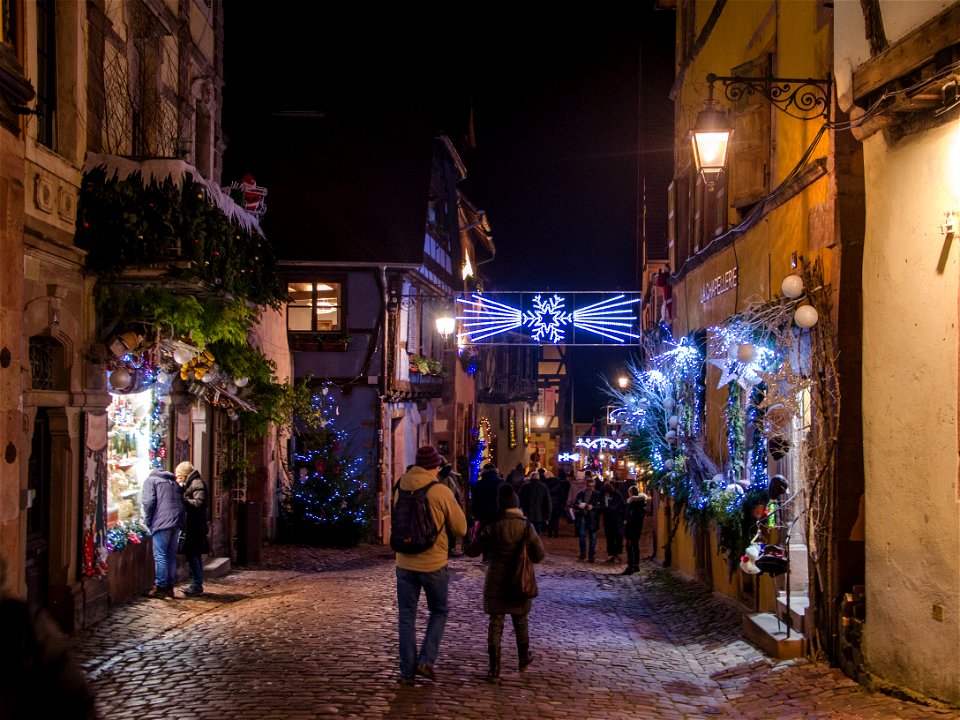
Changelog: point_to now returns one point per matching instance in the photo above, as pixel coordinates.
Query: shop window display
(135, 445)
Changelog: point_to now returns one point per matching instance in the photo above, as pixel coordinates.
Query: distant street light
(541, 421)
(623, 381)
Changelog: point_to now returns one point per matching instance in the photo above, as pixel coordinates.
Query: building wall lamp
(804, 99)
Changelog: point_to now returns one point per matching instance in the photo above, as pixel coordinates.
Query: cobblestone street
(312, 633)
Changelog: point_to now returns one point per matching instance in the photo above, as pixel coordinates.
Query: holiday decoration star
(728, 371)
(783, 389)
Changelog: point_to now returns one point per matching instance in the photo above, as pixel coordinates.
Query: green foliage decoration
(124, 223)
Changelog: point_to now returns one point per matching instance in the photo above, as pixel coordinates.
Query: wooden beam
(910, 53)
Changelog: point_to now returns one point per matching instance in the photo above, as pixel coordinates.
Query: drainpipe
(381, 415)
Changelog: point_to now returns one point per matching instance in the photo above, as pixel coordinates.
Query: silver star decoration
(783, 387)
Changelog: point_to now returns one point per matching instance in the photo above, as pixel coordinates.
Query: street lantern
(711, 138)
(445, 326)
(541, 421)
(623, 381)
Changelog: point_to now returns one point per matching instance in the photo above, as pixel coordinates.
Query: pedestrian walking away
(193, 541)
(426, 570)
(164, 515)
(448, 477)
(484, 506)
(613, 511)
(535, 501)
(587, 506)
(633, 527)
(510, 534)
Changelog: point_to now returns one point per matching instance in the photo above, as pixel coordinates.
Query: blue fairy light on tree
(327, 501)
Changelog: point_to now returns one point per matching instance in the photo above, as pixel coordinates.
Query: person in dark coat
(484, 502)
(195, 542)
(535, 501)
(633, 527)
(164, 515)
(613, 512)
(503, 540)
(588, 505)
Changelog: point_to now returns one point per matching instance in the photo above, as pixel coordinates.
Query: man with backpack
(424, 511)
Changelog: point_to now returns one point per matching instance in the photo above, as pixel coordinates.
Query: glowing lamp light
(600, 456)
(445, 326)
(711, 138)
(541, 421)
(181, 356)
(806, 316)
(792, 286)
(623, 381)
(746, 352)
(120, 379)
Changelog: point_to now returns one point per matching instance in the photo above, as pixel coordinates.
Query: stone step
(772, 636)
(798, 609)
(216, 567)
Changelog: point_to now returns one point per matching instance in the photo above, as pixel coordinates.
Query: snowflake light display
(611, 319)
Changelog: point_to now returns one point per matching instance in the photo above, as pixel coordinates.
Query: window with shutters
(749, 158)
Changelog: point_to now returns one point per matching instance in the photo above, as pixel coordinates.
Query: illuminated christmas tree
(326, 502)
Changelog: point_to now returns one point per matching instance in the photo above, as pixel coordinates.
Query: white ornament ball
(181, 356)
(163, 377)
(746, 352)
(806, 316)
(719, 480)
(792, 286)
(241, 381)
(668, 465)
(120, 379)
(673, 422)
(669, 404)
(671, 436)
(735, 489)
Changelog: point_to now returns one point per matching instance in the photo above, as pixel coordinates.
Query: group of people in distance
(510, 516)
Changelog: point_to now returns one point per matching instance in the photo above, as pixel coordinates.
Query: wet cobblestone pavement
(311, 633)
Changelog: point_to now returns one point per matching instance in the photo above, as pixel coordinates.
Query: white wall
(910, 349)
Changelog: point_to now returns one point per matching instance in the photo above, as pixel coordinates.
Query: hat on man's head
(428, 457)
(507, 497)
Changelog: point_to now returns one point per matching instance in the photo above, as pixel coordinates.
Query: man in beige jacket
(426, 570)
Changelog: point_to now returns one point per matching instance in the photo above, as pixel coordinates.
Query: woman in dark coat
(503, 539)
(195, 542)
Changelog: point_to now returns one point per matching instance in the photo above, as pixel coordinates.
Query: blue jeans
(196, 569)
(434, 586)
(165, 555)
(582, 533)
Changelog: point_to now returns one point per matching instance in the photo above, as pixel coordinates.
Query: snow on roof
(161, 169)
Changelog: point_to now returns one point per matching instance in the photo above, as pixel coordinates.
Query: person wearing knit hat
(508, 535)
(427, 570)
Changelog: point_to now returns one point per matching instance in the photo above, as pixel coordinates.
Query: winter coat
(636, 510)
(592, 516)
(502, 540)
(613, 510)
(195, 499)
(484, 505)
(535, 500)
(447, 515)
(162, 501)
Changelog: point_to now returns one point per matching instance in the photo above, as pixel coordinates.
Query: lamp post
(800, 98)
(445, 326)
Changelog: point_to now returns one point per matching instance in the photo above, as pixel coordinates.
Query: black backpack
(413, 528)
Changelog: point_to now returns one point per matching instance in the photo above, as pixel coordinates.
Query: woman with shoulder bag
(193, 541)
(504, 539)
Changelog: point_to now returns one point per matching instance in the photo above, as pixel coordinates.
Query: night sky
(559, 143)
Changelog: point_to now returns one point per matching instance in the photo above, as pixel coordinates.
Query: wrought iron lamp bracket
(801, 98)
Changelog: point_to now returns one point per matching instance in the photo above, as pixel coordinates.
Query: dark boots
(493, 674)
(526, 657)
